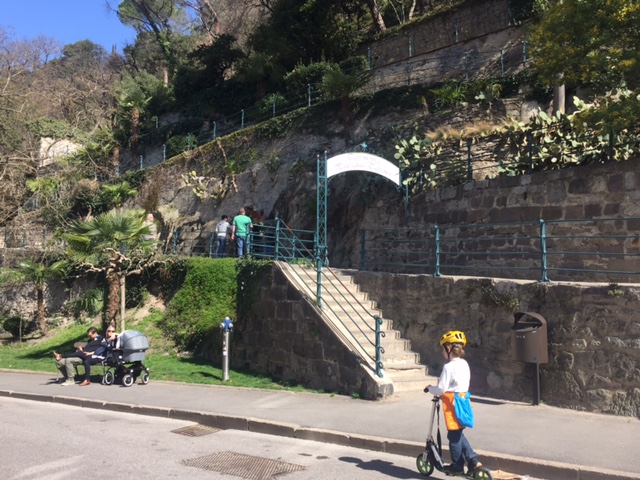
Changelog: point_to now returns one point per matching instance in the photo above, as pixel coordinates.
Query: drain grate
(244, 466)
(196, 430)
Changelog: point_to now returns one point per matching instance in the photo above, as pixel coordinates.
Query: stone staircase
(350, 314)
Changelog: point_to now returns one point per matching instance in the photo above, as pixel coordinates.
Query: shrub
(207, 296)
(13, 326)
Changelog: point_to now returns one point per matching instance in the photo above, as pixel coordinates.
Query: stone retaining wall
(284, 336)
(600, 192)
(593, 335)
(472, 19)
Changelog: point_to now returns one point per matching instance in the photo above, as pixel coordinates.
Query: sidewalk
(540, 441)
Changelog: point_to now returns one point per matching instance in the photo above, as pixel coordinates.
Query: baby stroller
(124, 361)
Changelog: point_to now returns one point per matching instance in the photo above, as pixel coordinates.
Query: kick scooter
(432, 456)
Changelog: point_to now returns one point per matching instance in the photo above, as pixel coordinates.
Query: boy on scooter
(455, 378)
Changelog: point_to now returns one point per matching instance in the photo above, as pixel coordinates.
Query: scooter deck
(461, 474)
(479, 473)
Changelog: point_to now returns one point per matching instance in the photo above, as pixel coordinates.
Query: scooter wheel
(482, 474)
(425, 467)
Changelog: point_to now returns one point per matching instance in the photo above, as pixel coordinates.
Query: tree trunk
(42, 321)
(122, 302)
(111, 307)
(115, 160)
(346, 120)
(559, 99)
(378, 21)
(135, 125)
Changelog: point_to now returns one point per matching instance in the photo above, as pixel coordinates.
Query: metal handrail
(329, 283)
(543, 246)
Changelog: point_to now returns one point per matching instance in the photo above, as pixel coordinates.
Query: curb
(532, 467)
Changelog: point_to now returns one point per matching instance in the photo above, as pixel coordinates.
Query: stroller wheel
(482, 474)
(108, 378)
(425, 467)
(127, 380)
(145, 378)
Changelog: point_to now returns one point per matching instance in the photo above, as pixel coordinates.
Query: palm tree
(341, 86)
(114, 244)
(38, 274)
(119, 193)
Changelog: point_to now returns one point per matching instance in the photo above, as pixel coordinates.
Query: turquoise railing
(340, 302)
(597, 250)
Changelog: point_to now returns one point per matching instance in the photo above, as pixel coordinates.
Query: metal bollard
(227, 327)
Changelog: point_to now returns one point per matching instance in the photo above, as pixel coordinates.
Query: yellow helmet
(453, 336)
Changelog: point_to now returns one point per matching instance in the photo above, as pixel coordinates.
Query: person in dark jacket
(87, 354)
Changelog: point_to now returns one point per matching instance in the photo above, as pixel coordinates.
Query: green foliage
(491, 298)
(266, 105)
(298, 80)
(96, 241)
(117, 194)
(418, 154)
(15, 326)
(338, 85)
(89, 303)
(581, 138)
(594, 133)
(206, 68)
(136, 292)
(250, 272)
(134, 178)
(450, 95)
(280, 126)
(58, 129)
(44, 186)
(178, 144)
(589, 43)
(615, 290)
(206, 297)
(170, 276)
(303, 32)
(274, 163)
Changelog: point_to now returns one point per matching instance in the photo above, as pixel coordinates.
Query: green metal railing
(596, 250)
(338, 300)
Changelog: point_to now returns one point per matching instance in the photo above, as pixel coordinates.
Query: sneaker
(452, 469)
(473, 465)
(85, 383)
(67, 383)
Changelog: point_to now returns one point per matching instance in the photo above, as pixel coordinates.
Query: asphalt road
(48, 441)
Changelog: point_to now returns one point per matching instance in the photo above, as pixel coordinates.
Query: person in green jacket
(240, 232)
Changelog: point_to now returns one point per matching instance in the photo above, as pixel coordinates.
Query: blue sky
(68, 21)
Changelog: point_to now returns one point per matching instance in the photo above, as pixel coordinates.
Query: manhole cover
(244, 466)
(196, 430)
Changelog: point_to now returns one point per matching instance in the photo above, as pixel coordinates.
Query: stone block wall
(608, 193)
(593, 335)
(284, 336)
(473, 19)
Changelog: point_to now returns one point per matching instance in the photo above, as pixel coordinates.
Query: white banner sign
(358, 161)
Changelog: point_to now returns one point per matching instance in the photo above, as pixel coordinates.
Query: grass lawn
(163, 363)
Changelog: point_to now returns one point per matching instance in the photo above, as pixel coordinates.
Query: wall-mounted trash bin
(529, 334)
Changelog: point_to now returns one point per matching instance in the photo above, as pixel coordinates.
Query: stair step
(341, 299)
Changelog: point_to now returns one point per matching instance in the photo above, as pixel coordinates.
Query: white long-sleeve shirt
(455, 377)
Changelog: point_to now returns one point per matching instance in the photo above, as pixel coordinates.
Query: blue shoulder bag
(463, 410)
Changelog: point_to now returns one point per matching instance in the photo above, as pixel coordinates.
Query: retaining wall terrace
(283, 335)
(607, 191)
(593, 335)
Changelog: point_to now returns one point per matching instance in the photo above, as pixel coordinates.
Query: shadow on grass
(261, 379)
(45, 351)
